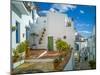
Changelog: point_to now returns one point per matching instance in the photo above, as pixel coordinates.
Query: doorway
(50, 43)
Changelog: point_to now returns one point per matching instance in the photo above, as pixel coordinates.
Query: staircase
(38, 38)
(41, 41)
(42, 36)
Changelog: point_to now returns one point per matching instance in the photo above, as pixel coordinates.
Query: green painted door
(50, 43)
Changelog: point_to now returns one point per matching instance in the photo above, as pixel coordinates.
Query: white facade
(37, 28)
(22, 18)
(55, 24)
(92, 46)
(57, 27)
(19, 15)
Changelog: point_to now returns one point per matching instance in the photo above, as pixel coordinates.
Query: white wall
(24, 21)
(70, 64)
(56, 26)
(15, 18)
(92, 46)
(38, 29)
(58, 29)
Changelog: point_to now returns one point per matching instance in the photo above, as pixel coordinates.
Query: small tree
(62, 45)
(92, 64)
(69, 24)
(22, 47)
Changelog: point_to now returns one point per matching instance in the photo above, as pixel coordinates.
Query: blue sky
(83, 15)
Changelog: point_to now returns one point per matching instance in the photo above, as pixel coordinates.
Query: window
(17, 32)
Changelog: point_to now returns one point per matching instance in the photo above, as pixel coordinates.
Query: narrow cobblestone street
(84, 65)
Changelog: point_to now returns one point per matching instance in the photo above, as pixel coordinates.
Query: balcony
(21, 7)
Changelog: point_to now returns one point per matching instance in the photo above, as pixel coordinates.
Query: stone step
(39, 60)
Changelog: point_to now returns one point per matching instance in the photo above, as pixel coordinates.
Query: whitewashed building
(44, 30)
(92, 45)
(47, 29)
(21, 19)
(54, 26)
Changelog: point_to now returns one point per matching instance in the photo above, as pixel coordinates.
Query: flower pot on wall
(42, 35)
(44, 29)
(69, 24)
(40, 39)
(43, 32)
(40, 42)
(13, 28)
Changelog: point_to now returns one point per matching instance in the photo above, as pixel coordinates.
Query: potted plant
(56, 62)
(21, 48)
(42, 35)
(16, 55)
(92, 64)
(43, 32)
(40, 38)
(44, 29)
(13, 28)
(39, 42)
(62, 46)
(69, 24)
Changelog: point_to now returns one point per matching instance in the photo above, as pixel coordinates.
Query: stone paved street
(82, 66)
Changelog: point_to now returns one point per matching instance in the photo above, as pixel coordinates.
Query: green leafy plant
(22, 47)
(15, 52)
(92, 64)
(69, 24)
(34, 34)
(13, 28)
(62, 45)
(16, 55)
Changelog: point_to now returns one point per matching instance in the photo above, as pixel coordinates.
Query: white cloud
(63, 7)
(87, 32)
(59, 7)
(87, 25)
(71, 6)
(82, 12)
(52, 9)
(43, 12)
